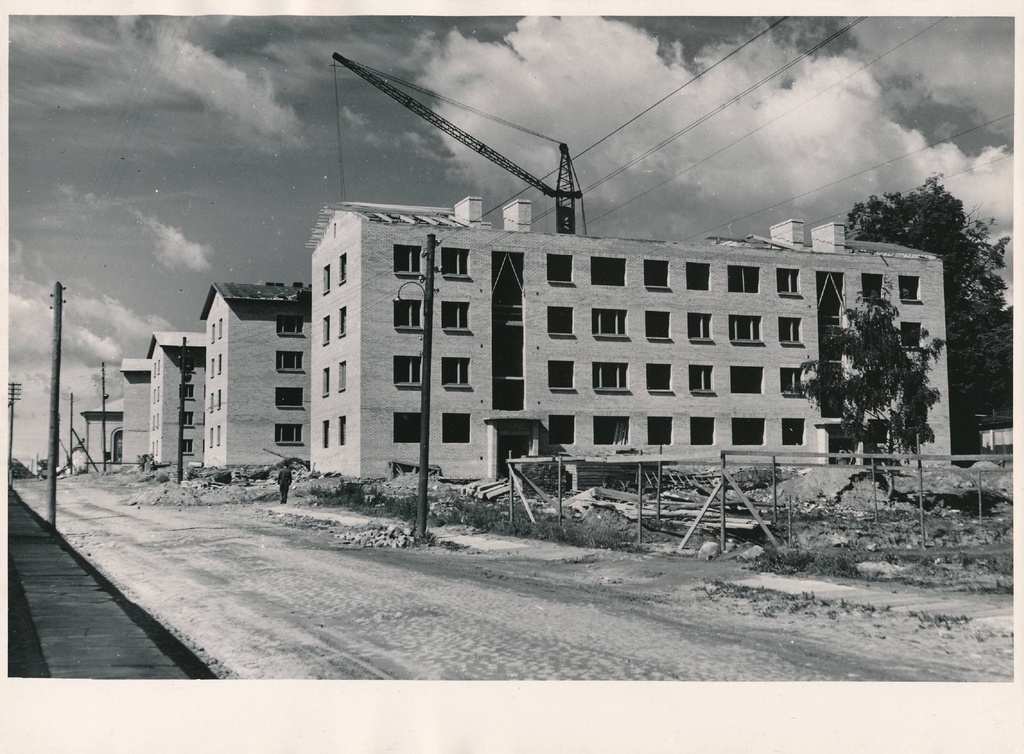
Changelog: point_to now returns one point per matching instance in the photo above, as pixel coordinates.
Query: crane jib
(566, 193)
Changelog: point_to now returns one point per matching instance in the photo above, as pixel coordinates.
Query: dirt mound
(167, 493)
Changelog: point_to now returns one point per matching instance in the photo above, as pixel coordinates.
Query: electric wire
(853, 175)
(765, 125)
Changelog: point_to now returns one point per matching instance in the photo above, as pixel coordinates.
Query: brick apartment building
(136, 378)
(547, 343)
(258, 378)
(166, 358)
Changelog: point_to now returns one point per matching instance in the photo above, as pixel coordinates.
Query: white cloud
(245, 102)
(172, 249)
(95, 329)
(566, 83)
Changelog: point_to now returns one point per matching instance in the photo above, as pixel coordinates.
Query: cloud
(821, 122)
(95, 330)
(149, 66)
(172, 249)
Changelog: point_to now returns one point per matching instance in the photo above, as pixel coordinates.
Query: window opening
(611, 430)
(609, 376)
(455, 428)
(656, 273)
(698, 326)
(407, 370)
(607, 271)
(744, 328)
(406, 426)
(609, 321)
(561, 374)
(561, 429)
(742, 279)
(700, 378)
(659, 376)
(560, 320)
(657, 324)
(698, 276)
(745, 379)
(748, 431)
(659, 430)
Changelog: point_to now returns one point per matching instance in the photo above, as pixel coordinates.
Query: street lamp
(426, 285)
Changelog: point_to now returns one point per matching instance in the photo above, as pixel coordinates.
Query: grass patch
(604, 533)
(789, 562)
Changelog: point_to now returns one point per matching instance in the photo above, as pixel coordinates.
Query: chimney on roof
(788, 232)
(297, 285)
(470, 210)
(829, 238)
(517, 215)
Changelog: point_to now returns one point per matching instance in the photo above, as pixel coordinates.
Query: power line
(854, 175)
(648, 109)
(765, 125)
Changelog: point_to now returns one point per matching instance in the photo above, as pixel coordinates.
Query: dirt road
(259, 593)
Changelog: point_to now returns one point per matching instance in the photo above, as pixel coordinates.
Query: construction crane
(565, 193)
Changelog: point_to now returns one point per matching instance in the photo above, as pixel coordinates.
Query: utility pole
(13, 396)
(181, 411)
(103, 414)
(71, 432)
(425, 370)
(51, 477)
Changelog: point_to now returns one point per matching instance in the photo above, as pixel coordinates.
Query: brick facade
(623, 359)
(258, 374)
(135, 375)
(166, 362)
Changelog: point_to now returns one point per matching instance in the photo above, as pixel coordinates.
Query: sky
(151, 156)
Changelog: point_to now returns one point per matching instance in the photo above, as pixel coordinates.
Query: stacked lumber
(487, 489)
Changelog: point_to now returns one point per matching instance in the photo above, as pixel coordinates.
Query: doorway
(515, 446)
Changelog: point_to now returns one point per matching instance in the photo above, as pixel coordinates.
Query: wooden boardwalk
(65, 620)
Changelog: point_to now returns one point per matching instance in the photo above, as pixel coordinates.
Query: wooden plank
(514, 476)
(752, 508)
(538, 490)
(696, 521)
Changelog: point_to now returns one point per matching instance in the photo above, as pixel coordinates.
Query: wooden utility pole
(181, 411)
(13, 395)
(103, 413)
(71, 433)
(51, 477)
(425, 370)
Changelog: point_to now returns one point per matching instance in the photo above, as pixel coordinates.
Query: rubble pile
(378, 535)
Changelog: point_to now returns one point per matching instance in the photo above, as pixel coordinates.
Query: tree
(979, 325)
(873, 377)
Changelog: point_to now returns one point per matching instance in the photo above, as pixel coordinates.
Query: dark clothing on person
(284, 481)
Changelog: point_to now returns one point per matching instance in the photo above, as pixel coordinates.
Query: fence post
(640, 503)
(920, 491)
(874, 489)
(657, 497)
(721, 525)
(511, 491)
(979, 494)
(559, 460)
(789, 521)
(775, 495)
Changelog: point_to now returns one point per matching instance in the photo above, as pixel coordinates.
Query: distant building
(136, 379)
(96, 422)
(166, 359)
(548, 343)
(258, 379)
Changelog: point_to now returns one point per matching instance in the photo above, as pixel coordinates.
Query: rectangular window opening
(454, 261)
(788, 280)
(659, 377)
(561, 429)
(288, 433)
(742, 279)
(609, 321)
(283, 396)
(455, 428)
(698, 326)
(748, 431)
(657, 324)
(611, 430)
(607, 271)
(870, 286)
(454, 371)
(701, 378)
(342, 376)
(698, 276)
(407, 259)
(745, 379)
(454, 315)
(560, 320)
(407, 370)
(790, 380)
(789, 329)
(342, 430)
(559, 268)
(744, 328)
(910, 288)
(609, 376)
(659, 430)
(561, 374)
(289, 324)
(289, 361)
(406, 426)
(792, 431)
(407, 314)
(656, 273)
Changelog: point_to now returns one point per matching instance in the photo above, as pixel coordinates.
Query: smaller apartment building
(166, 360)
(547, 343)
(258, 373)
(135, 376)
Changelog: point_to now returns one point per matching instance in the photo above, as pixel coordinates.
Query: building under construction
(555, 343)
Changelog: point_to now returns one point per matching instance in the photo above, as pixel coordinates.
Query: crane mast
(565, 193)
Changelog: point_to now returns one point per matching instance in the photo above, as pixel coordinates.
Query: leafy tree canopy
(979, 325)
(873, 378)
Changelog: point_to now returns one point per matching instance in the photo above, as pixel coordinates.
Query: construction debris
(378, 535)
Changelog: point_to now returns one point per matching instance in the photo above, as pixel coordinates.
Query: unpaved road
(260, 594)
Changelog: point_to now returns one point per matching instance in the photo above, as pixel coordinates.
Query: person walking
(284, 481)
